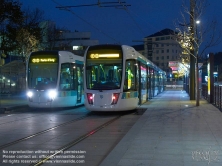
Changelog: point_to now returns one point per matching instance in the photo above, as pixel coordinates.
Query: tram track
(42, 132)
(21, 119)
(74, 142)
(18, 119)
(94, 136)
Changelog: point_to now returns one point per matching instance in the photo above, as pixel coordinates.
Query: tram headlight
(115, 98)
(29, 94)
(52, 94)
(90, 97)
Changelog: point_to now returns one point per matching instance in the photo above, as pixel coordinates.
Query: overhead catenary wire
(96, 28)
(120, 5)
(127, 11)
(99, 4)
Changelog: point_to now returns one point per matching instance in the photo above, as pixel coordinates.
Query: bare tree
(27, 42)
(64, 44)
(28, 35)
(49, 35)
(55, 38)
(196, 38)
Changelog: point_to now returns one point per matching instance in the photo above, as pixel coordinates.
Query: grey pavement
(172, 132)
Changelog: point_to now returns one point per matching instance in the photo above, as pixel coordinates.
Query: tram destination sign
(96, 56)
(43, 60)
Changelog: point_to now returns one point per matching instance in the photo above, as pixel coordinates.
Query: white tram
(54, 79)
(118, 78)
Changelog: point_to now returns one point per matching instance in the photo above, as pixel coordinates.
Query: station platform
(172, 132)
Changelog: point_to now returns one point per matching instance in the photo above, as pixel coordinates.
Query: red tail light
(115, 98)
(90, 98)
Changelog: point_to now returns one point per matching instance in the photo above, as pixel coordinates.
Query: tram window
(66, 77)
(42, 76)
(103, 76)
(143, 81)
(130, 75)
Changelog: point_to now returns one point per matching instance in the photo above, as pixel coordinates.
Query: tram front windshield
(42, 75)
(103, 73)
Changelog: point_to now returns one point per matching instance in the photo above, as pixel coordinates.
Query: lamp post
(192, 51)
(197, 67)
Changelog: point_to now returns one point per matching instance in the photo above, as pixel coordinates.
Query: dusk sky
(112, 25)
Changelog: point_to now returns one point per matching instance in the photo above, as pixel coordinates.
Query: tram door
(151, 83)
(79, 81)
(143, 83)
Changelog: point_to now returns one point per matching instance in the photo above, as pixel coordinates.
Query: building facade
(139, 48)
(62, 39)
(161, 48)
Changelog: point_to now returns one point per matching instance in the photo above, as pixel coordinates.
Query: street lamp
(198, 22)
(196, 48)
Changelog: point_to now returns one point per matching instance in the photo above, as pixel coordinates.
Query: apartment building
(63, 39)
(139, 48)
(161, 48)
